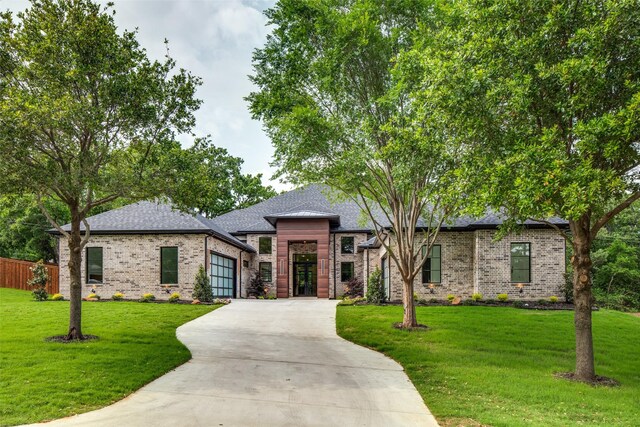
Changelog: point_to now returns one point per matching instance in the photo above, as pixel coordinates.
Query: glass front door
(305, 277)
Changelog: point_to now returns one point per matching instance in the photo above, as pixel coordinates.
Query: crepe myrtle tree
(337, 114)
(83, 112)
(547, 97)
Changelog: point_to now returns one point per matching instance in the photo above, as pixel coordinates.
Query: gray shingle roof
(152, 217)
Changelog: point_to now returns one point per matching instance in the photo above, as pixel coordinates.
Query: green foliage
(209, 181)
(93, 296)
(118, 296)
(451, 297)
(375, 288)
(57, 297)
(39, 281)
(553, 299)
(202, 287)
(337, 113)
(476, 296)
(147, 297)
(174, 297)
(346, 301)
(502, 297)
(518, 304)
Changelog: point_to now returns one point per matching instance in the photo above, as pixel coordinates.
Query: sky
(213, 39)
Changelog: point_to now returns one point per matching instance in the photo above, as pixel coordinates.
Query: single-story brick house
(305, 245)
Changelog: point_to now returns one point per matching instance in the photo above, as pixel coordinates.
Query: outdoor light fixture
(432, 287)
(520, 287)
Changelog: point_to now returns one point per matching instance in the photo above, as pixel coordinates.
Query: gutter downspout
(334, 266)
(240, 276)
(206, 253)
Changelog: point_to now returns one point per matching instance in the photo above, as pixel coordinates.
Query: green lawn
(45, 380)
(495, 366)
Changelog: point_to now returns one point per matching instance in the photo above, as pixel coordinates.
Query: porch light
(432, 287)
(520, 287)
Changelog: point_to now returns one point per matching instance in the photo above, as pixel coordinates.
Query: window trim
(177, 265)
(430, 269)
(353, 245)
(86, 266)
(270, 271)
(270, 245)
(353, 271)
(511, 262)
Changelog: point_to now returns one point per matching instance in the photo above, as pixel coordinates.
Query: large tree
(546, 95)
(82, 110)
(337, 114)
(208, 180)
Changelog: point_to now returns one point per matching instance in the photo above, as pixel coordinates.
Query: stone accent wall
(255, 260)
(356, 258)
(494, 264)
(131, 264)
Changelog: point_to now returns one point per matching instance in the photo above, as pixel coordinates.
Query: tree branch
(613, 212)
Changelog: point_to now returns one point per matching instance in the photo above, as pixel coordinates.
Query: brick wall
(131, 264)
(355, 257)
(256, 259)
(493, 275)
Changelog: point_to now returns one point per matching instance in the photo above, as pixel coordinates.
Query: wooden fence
(14, 273)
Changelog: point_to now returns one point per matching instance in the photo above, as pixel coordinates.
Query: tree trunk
(409, 320)
(75, 274)
(581, 262)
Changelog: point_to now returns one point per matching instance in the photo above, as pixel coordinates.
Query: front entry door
(305, 278)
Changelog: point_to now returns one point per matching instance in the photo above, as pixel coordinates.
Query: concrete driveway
(270, 363)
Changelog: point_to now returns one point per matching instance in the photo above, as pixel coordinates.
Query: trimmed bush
(354, 288)
(57, 297)
(256, 286)
(553, 299)
(375, 288)
(93, 296)
(451, 297)
(202, 288)
(476, 296)
(175, 297)
(502, 297)
(39, 281)
(148, 297)
(118, 296)
(518, 304)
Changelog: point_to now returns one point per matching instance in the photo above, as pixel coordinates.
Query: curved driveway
(270, 363)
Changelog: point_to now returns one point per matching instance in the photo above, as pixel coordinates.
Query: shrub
(174, 297)
(57, 297)
(567, 289)
(490, 301)
(503, 297)
(39, 281)
(553, 299)
(375, 288)
(518, 304)
(415, 297)
(351, 301)
(476, 296)
(271, 297)
(223, 301)
(256, 286)
(93, 296)
(202, 288)
(148, 297)
(451, 297)
(354, 288)
(433, 300)
(118, 296)
(543, 301)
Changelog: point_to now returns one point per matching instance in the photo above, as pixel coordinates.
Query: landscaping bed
(42, 380)
(503, 367)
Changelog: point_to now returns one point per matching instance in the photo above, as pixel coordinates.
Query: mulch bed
(599, 381)
(62, 339)
(525, 305)
(158, 301)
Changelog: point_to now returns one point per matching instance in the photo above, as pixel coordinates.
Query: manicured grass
(495, 366)
(45, 380)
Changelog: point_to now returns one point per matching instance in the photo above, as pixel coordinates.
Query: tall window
(431, 269)
(521, 262)
(94, 265)
(265, 271)
(264, 245)
(169, 265)
(346, 245)
(346, 271)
